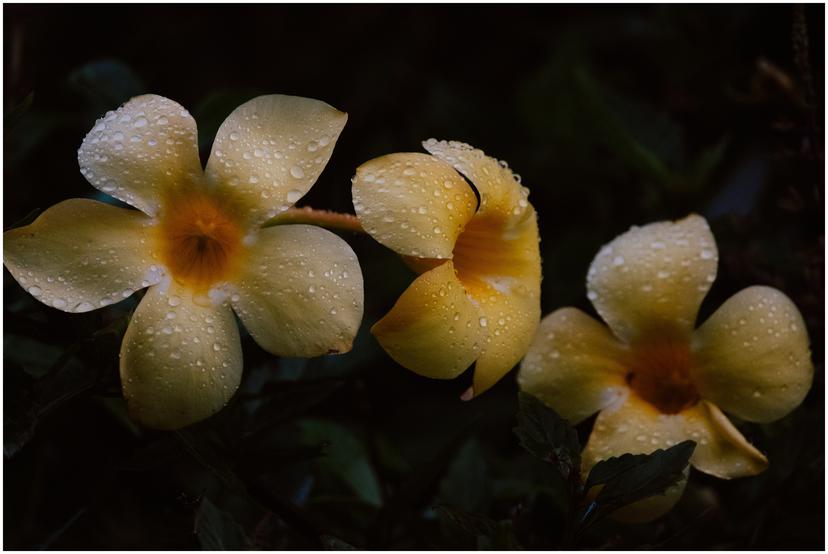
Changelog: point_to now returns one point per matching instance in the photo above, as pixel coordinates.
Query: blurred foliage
(613, 115)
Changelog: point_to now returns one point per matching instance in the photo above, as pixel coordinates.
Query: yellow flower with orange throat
(477, 296)
(653, 378)
(198, 243)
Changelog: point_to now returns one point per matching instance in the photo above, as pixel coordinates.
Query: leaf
(547, 435)
(346, 457)
(632, 477)
(217, 530)
(467, 484)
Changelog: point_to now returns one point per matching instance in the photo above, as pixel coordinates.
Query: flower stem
(322, 218)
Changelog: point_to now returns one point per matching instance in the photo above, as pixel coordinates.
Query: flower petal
(136, 152)
(271, 150)
(632, 426)
(651, 280)
(82, 254)
(180, 361)
(413, 203)
(752, 356)
(511, 317)
(574, 365)
(434, 328)
(499, 188)
(721, 450)
(301, 292)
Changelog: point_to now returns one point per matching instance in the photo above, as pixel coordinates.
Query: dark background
(612, 115)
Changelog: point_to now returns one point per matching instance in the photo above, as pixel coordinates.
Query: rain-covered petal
(180, 361)
(752, 358)
(136, 152)
(510, 316)
(413, 203)
(82, 254)
(651, 280)
(270, 151)
(434, 329)
(500, 190)
(630, 425)
(574, 365)
(301, 292)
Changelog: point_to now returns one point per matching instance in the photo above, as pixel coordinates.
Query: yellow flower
(654, 379)
(477, 297)
(199, 245)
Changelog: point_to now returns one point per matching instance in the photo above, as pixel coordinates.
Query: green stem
(322, 218)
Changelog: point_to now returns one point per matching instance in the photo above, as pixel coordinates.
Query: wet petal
(413, 203)
(511, 316)
(633, 426)
(81, 254)
(136, 152)
(500, 190)
(721, 450)
(574, 365)
(271, 150)
(301, 292)
(499, 265)
(652, 279)
(434, 328)
(752, 357)
(180, 361)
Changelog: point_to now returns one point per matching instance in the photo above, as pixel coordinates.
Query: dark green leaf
(632, 477)
(217, 530)
(107, 83)
(547, 435)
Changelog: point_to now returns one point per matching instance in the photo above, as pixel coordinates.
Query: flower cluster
(206, 246)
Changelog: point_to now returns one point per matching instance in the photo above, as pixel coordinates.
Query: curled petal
(180, 361)
(721, 450)
(574, 365)
(81, 254)
(413, 203)
(752, 356)
(141, 150)
(499, 188)
(301, 292)
(434, 328)
(270, 151)
(652, 279)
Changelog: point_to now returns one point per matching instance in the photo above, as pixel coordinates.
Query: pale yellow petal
(301, 292)
(633, 426)
(81, 254)
(180, 361)
(434, 329)
(500, 190)
(752, 358)
(721, 450)
(651, 280)
(413, 203)
(270, 151)
(140, 150)
(574, 365)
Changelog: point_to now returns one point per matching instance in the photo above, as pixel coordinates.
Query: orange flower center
(660, 374)
(485, 249)
(200, 239)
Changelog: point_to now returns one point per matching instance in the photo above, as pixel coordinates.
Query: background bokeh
(613, 116)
